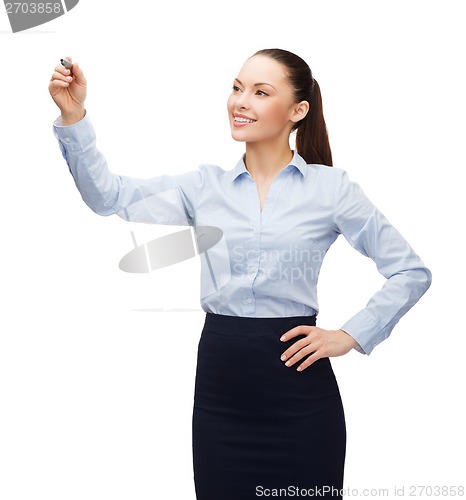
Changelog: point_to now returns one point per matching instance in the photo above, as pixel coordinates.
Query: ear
(299, 111)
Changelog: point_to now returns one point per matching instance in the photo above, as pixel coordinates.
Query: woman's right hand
(69, 92)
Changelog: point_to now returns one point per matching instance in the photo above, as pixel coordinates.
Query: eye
(236, 88)
(262, 93)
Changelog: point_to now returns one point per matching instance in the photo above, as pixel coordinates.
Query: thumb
(78, 74)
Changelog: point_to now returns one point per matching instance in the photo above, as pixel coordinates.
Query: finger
(305, 351)
(297, 330)
(59, 68)
(56, 86)
(78, 74)
(309, 361)
(60, 76)
(294, 348)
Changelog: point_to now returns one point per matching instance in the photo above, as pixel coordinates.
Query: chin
(238, 137)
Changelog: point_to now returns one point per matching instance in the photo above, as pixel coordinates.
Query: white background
(96, 368)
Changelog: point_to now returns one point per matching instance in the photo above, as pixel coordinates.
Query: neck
(265, 161)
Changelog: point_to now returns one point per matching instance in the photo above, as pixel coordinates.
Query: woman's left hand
(317, 343)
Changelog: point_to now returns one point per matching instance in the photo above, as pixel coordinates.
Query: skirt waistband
(254, 326)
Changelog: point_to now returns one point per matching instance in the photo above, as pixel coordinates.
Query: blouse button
(249, 300)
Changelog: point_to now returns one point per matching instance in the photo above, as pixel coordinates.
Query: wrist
(74, 117)
(350, 340)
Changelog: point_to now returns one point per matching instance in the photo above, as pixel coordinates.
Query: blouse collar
(297, 162)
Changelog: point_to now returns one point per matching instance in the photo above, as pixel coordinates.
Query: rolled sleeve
(370, 233)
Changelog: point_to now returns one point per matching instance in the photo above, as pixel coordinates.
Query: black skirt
(261, 428)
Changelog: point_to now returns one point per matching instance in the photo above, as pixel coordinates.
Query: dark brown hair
(311, 137)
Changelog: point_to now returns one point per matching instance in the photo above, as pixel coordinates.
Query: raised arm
(165, 199)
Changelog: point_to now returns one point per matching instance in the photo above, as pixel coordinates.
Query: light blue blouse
(268, 262)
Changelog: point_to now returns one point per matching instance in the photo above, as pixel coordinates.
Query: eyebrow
(256, 84)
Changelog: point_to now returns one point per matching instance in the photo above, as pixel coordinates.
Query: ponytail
(312, 141)
(311, 137)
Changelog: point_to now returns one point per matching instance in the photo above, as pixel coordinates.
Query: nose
(242, 101)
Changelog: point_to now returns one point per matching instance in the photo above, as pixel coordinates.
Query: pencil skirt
(260, 428)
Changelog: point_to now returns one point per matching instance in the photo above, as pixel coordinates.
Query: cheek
(276, 115)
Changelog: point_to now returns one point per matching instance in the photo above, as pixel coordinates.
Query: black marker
(67, 64)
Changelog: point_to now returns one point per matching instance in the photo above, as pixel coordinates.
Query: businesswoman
(268, 416)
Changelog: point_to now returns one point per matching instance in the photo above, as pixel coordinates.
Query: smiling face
(261, 106)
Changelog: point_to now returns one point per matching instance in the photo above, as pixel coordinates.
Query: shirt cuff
(364, 331)
(77, 136)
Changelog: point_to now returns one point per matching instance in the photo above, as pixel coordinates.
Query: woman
(268, 416)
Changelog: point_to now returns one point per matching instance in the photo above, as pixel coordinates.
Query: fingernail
(298, 369)
(282, 338)
(287, 363)
(283, 357)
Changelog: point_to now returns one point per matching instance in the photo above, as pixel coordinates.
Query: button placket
(253, 243)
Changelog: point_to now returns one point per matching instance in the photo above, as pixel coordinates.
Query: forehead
(262, 69)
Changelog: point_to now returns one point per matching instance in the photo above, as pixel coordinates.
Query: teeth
(243, 120)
